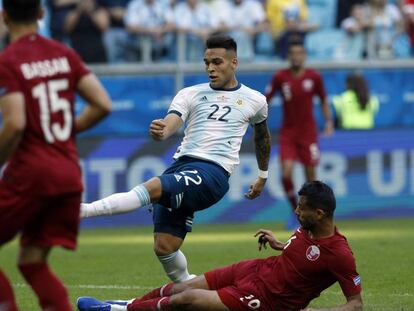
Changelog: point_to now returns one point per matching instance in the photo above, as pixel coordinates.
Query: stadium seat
(402, 48)
(44, 27)
(322, 12)
(322, 44)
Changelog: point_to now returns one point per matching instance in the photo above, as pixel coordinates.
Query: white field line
(92, 286)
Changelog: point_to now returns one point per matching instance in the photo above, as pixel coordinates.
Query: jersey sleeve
(345, 273)
(79, 68)
(320, 88)
(273, 87)
(8, 81)
(180, 105)
(261, 114)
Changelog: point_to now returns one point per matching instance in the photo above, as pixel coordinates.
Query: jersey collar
(227, 90)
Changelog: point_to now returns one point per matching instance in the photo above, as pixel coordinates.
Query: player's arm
(343, 267)
(161, 129)
(12, 108)
(272, 88)
(327, 115)
(326, 111)
(353, 303)
(267, 236)
(262, 147)
(97, 100)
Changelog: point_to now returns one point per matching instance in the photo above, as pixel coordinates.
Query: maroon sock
(49, 289)
(7, 301)
(156, 304)
(163, 291)
(290, 192)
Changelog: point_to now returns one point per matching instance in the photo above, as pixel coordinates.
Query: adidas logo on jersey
(204, 98)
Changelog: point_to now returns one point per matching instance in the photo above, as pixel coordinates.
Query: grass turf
(120, 264)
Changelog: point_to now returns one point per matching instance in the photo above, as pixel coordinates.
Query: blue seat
(402, 46)
(322, 43)
(322, 12)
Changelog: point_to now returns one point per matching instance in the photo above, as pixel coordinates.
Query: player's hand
(329, 128)
(157, 129)
(256, 188)
(267, 236)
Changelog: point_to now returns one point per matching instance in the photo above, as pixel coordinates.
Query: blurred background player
(315, 257)
(298, 137)
(217, 116)
(40, 189)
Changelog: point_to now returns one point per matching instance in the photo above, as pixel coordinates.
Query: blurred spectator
(344, 9)
(245, 19)
(151, 23)
(288, 19)
(85, 26)
(355, 108)
(115, 37)
(408, 10)
(59, 10)
(3, 31)
(197, 22)
(385, 25)
(353, 45)
(221, 9)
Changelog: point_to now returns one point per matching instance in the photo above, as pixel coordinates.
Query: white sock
(118, 308)
(119, 305)
(117, 203)
(175, 265)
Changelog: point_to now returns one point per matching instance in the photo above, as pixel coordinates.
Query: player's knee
(163, 248)
(32, 254)
(154, 188)
(166, 244)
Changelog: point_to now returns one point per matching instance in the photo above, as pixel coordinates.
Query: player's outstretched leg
(117, 203)
(7, 300)
(93, 304)
(175, 265)
(90, 303)
(292, 222)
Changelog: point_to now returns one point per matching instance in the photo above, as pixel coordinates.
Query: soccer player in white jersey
(217, 115)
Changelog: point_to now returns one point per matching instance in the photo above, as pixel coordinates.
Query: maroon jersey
(297, 93)
(47, 74)
(306, 267)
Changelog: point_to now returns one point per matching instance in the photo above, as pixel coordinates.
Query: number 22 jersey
(216, 121)
(46, 73)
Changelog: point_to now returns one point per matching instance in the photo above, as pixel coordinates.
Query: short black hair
(23, 11)
(319, 195)
(221, 41)
(295, 42)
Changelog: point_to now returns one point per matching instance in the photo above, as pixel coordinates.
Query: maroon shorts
(238, 286)
(305, 152)
(42, 220)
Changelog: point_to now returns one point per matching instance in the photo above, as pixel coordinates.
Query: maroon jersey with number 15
(46, 73)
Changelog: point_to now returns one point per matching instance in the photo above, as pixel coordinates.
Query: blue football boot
(92, 304)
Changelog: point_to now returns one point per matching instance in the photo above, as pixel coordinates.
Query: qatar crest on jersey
(313, 252)
(307, 84)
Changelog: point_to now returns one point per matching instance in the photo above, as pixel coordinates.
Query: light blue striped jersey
(216, 121)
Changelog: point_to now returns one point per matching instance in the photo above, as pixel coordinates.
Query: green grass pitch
(120, 264)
